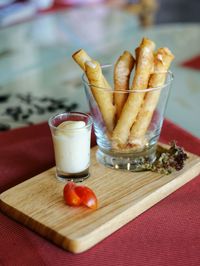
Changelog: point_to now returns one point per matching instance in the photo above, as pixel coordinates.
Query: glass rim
(90, 120)
(130, 90)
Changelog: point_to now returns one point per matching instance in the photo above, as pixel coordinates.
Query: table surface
(39, 78)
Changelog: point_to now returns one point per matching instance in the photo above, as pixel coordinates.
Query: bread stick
(122, 72)
(137, 52)
(162, 61)
(134, 101)
(97, 79)
(102, 96)
(80, 57)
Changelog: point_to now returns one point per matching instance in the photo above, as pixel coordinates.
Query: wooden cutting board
(38, 202)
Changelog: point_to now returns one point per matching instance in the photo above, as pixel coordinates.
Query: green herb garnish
(167, 160)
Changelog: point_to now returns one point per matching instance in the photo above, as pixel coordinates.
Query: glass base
(75, 177)
(126, 161)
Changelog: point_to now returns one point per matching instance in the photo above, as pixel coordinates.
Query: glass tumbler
(126, 139)
(71, 135)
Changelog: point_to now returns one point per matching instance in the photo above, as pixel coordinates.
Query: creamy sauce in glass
(72, 146)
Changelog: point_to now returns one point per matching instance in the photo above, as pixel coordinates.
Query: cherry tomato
(88, 198)
(70, 196)
(79, 195)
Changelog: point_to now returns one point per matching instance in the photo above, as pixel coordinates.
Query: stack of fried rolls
(127, 116)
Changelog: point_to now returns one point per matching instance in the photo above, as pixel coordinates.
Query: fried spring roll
(162, 61)
(122, 72)
(134, 101)
(102, 97)
(81, 57)
(95, 77)
(137, 52)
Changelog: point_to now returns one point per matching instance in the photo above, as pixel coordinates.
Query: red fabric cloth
(193, 63)
(166, 234)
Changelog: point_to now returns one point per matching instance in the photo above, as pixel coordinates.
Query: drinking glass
(147, 124)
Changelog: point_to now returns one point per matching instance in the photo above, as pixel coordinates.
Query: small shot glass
(71, 135)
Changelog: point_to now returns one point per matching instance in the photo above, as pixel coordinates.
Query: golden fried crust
(134, 101)
(122, 72)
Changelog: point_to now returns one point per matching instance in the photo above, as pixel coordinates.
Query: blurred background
(38, 77)
(157, 11)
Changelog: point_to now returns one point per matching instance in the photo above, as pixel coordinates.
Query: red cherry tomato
(88, 198)
(79, 195)
(70, 196)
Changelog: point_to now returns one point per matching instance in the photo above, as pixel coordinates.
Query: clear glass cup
(140, 142)
(71, 135)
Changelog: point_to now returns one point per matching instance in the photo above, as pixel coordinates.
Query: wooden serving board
(38, 202)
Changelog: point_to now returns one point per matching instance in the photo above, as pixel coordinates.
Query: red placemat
(193, 63)
(167, 234)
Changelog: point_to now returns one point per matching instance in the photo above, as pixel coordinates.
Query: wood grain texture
(38, 202)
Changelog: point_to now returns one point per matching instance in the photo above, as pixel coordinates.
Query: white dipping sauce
(72, 146)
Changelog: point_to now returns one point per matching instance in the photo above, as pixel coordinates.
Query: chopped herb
(167, 160)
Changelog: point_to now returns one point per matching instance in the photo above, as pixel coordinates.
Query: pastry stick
(162, 61)
(122, 72)
(134, 101)
(81, 57)
(137, 52)
(102, 96)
